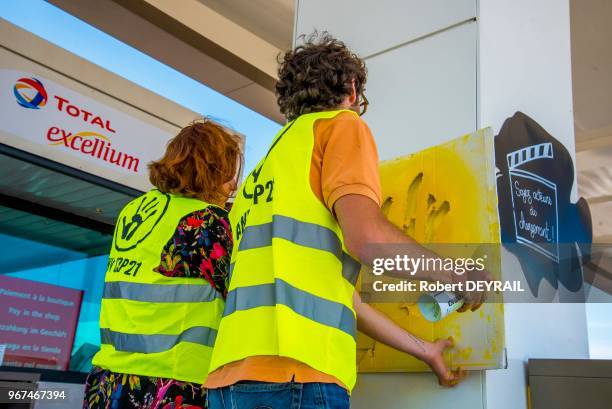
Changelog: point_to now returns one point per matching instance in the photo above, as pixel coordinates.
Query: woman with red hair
(158, 319)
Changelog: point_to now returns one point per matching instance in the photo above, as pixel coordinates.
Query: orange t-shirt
(344, 161)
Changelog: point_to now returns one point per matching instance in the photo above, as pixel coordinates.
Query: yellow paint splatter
(464, 354)
(445, 194)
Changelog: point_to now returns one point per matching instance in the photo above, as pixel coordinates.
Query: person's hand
(435, 359)
(472, 300)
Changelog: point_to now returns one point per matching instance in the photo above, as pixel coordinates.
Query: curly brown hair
(198, 162)
(317, 75)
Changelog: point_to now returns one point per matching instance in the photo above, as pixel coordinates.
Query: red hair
(198, 162)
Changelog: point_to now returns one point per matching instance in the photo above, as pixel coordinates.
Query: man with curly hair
(287, 339)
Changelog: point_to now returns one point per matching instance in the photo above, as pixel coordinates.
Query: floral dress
(200, 247)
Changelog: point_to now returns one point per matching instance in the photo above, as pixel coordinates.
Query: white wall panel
(403, 391)
(373, 26)
(424, 93)
(525, 64)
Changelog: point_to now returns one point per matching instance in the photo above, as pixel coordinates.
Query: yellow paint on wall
(444, 194)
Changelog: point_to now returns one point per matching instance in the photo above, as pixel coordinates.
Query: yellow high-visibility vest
(150, 324)
(292, 280)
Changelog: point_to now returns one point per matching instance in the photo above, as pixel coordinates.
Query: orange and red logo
(30, 93)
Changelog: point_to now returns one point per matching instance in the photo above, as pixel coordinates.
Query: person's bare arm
(379, 327)
(363, 223)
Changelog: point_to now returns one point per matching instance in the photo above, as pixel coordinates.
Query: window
(55, 234)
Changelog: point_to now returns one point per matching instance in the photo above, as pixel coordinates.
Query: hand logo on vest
(146, 209)
(138, 219)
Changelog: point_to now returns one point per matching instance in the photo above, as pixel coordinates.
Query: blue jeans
(291, 395)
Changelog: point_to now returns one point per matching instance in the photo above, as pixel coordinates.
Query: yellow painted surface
(444, 194)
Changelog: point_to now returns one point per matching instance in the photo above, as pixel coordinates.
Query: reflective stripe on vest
(149, 344)
(303, 234)
(159, 292)
(318, 309)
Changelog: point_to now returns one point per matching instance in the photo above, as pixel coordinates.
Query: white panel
(373, 26)
(401, 391)
(555, 331)
(57, 129)
(424, 93)
(525, 64)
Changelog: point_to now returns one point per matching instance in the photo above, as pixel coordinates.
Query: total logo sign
(48, 113)
(30, 93)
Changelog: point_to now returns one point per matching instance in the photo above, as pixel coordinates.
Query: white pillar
(525, 64)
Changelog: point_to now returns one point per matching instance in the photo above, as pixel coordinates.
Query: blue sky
(64, 30)
(78, 37)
